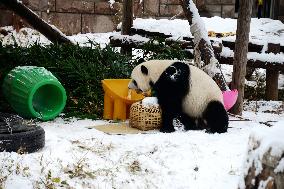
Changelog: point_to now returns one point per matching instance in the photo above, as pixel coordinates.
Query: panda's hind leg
(216, 117)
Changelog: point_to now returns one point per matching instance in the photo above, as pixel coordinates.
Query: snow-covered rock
(265, 161)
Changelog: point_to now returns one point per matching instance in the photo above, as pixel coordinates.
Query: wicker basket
(145, 117)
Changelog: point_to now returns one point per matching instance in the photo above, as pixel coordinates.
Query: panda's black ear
(141, 60)
(144, 70)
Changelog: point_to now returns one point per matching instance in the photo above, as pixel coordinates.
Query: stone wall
(83, 16)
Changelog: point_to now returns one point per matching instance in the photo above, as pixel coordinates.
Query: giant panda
(184, 92)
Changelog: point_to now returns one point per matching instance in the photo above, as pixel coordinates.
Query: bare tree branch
(49, 31)
(203, 45)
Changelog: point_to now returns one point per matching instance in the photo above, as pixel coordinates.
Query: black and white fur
(184, 92)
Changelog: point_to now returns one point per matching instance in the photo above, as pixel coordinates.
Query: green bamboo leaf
(56, 180)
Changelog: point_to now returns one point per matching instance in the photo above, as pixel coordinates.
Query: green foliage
(81, 69)
(258, 91)
(157, 49)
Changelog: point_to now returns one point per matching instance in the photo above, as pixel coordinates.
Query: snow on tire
(16, 136)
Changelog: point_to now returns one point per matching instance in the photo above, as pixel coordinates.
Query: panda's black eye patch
(135, 83)
(151, 83)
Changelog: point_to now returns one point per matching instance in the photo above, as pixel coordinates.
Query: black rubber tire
(23, 142)
(17, 136)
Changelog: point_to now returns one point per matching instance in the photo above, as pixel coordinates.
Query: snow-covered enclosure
(262, 30)
(76, 156)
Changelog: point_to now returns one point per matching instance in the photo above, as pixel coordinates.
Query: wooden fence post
(272, 75)
(127, 22)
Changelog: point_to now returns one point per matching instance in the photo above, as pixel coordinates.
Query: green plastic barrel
(34, 92)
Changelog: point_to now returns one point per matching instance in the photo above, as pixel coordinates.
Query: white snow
(270, 138)
(150, 101)
(261, 141)
(83, 157)
(265, 57)
(197, 23)
(134, 38)
(18, 182)
(26, 37)
(280, 166)
(101, 39)
(262, 31)
(269, 57)
(111, 2)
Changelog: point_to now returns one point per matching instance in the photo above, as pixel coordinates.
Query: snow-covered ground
(76, 156)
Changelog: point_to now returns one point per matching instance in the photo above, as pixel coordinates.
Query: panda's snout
(131, 85)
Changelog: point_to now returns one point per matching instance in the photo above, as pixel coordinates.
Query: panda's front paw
(167, 129)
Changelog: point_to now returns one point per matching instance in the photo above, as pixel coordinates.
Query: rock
(265, 162)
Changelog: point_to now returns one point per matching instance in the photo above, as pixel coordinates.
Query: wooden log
(146, 33)
(273, 48)
(230, 44)
(272, 75)
(182, 44)
(271, 90)
(50, 32)
(115, 42)
(251, 47)
(253, 63)
(282, 49)
(126, 41)
(127, 22)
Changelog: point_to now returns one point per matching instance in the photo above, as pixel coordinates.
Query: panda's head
(141, 81)
(145, 75)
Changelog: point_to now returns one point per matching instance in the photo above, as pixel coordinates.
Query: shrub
(81, 69)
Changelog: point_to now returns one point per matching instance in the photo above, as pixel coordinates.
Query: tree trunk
(203, 48)
(240, 55)
(127, 22)
(50, 32)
